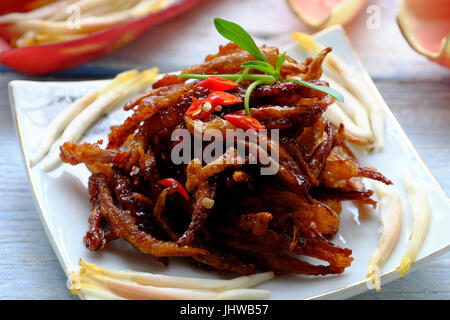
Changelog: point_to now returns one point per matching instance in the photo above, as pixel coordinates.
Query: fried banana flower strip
(146, 106)
(277, 112)
(204, 202)
(58, 124)
(420, 207)
(337, 173)
(124, 226)
(279, 262)
(256, 223)
(225, 263)
(349, 113)
(318, 247)
(105, 101)
(324, 193)
(390, 209)
(95, 237)
(87, 153)
(158, 211)
(196, 173)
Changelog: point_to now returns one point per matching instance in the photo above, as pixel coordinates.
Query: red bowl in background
(43, 59)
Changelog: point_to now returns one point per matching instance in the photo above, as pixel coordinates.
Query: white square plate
(62, 198)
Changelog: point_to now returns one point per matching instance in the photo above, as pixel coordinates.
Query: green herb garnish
(241, 38)
(328, 90)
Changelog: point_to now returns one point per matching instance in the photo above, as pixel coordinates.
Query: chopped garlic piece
(208, 203)
(390, 210)
(420, 207)
(207, 106)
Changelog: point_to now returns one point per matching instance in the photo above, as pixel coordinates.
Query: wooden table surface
(416, 90)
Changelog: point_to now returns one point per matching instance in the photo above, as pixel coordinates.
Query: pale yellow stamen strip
(390, 210)
(420, 207)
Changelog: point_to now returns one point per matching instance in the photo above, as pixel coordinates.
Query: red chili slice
(217, 84)
(197, 109)
(180, 189)
(200, 109)
(244, 122)
(220, 97)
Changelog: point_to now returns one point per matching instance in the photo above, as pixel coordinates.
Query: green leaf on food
(235, 33)
(240, 37)
(328, 90)
(260, 65)
(233, 77)
(266, 79)
(280, 62)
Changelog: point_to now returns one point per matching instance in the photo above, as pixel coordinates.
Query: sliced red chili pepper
(220, 97)
(180, 189)
(217, 84)
(200, 109)
(244, 122)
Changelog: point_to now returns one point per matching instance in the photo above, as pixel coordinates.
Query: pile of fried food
(65, 20)
(225, 215)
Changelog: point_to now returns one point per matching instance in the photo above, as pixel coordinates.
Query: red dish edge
(37, 60)
(7, 6)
